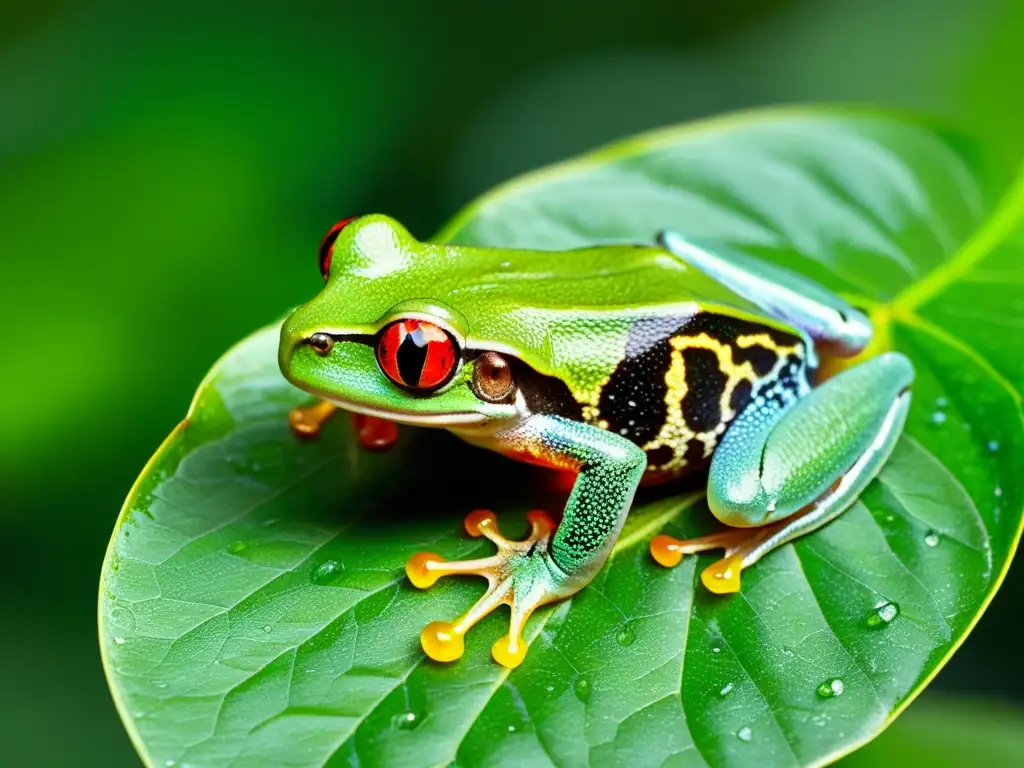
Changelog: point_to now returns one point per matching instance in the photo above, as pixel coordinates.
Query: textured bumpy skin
(627, 338)
(617, 363)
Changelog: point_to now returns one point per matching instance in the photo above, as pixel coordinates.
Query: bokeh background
(166, 173)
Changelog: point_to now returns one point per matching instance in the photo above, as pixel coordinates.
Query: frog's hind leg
(783, 471)
(836, 327)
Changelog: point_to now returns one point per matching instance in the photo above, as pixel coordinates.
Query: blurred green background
(166, 175)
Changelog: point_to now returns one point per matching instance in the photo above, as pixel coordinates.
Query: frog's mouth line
(412, 418)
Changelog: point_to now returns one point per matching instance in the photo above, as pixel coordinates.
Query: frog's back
(635, 341)
(628, 338)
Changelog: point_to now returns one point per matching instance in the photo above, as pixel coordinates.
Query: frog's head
(376, 341)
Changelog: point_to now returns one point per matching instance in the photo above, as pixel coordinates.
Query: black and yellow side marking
(683, 380)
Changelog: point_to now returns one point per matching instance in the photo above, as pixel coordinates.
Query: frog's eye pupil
(416, 354)
(327, 246)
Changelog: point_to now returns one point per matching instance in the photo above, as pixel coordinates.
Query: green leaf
(253, 605)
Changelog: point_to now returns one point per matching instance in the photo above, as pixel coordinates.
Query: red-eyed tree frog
(621, 364)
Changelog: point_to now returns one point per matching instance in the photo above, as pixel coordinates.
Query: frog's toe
(306, 422)
(723, 577)
(669, 551)
(520, 575)
(743, 547)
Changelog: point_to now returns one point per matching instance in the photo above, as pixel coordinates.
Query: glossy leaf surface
(253, 605)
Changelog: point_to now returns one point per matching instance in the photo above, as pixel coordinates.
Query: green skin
(569, 317)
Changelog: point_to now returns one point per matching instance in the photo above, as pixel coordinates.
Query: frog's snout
(297, 334)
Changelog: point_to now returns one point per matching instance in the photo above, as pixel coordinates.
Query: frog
(620, 364)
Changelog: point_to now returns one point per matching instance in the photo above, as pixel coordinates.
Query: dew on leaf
(118, 640)
(405, 721)
(831, 688)
(325, 571)
(726, 690)
(883, 614)
(716, 649)
(939, 417)
(626, 636)
(931, 539)
(993, 445)
(582, 688)
(267, 628)
(999, 491)
(744, 733)
(941, 402)
(122, 618)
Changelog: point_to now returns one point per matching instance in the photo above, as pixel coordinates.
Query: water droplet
(744, 733)
(932, 539)
(820, 720)
(582, 689)
(999, 491)
(237, 547)
(170, 764)
(716, 649)
(883, 614)
(626, 636)
(551, 688)
(942, 402)
(727, 690)
(118, 641)
(939, 417)
(993, 445)
(511, 729)
(325, 571)
(267, 628)
(405, 721)
(831, 688)
(122, 619)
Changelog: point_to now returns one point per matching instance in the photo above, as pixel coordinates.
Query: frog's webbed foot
(521, 574)
(307, 421)
(743, 547)
(375, 434)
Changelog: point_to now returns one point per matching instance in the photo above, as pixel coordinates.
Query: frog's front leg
(543, 568)
(786, 469)
(375, 434)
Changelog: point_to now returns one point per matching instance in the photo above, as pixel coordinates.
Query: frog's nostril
(321, 343)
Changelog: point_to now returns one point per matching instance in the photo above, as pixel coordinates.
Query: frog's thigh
(775, 461)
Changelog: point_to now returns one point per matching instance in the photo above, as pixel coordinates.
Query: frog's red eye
(327, 246)
(416, 354)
